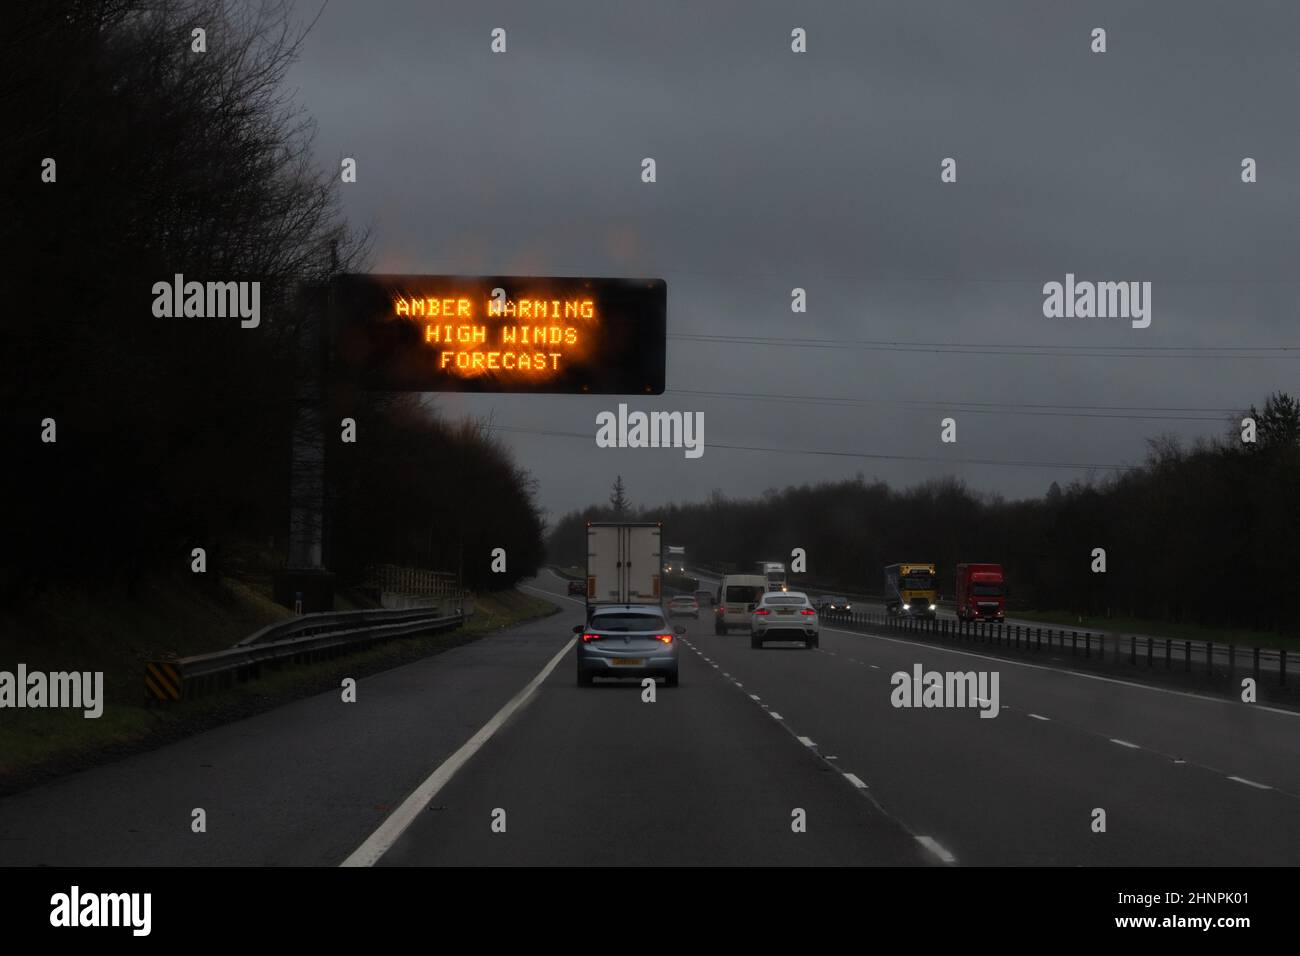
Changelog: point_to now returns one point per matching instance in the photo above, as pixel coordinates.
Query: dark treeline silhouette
(423, 493)
(174, 433)
(1207, 535)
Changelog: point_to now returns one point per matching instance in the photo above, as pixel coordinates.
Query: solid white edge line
(775, 715)
(806, 741)
(1062, 670)
(1039, 717)
(931, 844)
(1251, 783)
(1124, 743)
(382, 840)
(854, 779)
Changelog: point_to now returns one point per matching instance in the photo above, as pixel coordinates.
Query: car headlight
(907, 607)
(932, 607)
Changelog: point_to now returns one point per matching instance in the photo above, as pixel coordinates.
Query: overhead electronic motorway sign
(501, 333)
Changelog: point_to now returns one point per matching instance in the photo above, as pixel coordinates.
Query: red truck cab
(981, 592)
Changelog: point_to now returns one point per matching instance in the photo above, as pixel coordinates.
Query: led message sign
(501, 333)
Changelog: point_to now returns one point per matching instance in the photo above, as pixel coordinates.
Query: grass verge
(37, 745)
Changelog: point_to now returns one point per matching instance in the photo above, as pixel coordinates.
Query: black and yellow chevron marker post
(162, 681)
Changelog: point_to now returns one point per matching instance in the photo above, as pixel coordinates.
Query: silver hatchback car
(627, 640)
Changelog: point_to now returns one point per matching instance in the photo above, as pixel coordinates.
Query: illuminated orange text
(514, 336)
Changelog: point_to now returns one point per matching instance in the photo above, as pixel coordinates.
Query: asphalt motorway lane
(1182, 779)
(491, 754)
(704, 775)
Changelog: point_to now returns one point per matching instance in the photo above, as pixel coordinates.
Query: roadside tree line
(130, 158)
(1207, 534)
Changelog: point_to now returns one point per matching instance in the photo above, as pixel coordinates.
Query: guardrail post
(1132, 649)
(1074, 643)
(1148, 652)
(1039, 642)
(1087, 644)
(1187, 655)
(1169, 653)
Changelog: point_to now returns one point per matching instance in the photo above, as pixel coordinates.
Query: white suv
(784, 616)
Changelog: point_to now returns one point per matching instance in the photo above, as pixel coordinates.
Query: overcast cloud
(821, 170)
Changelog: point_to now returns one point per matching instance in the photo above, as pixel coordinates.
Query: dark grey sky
(821, 170)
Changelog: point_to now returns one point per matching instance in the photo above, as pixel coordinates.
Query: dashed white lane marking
(1124, 743)
(806, 741)
(754, 697)
(1039, 717)
(854, 779)
(874, 667)
(931, 844)
(775, 715)
(1251, 783)
(379, 842)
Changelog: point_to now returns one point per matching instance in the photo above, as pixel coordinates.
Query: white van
(737, 596)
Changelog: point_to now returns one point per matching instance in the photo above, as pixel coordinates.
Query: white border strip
(382, 840)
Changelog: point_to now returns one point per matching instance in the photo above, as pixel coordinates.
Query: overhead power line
(838, 454)
(1134, 413)
(975, 348)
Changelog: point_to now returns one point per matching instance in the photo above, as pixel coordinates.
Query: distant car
(684, 605)
(577, 587)
(833, 602)
(784, 616)
(627, 640)
(704, 597)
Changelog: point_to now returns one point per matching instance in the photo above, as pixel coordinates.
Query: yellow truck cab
(911, 590)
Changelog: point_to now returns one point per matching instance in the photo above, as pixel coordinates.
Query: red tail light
(807, 611)
(666, 638)
(762, 610)
(590, 637)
